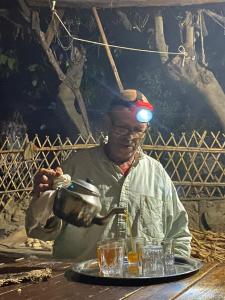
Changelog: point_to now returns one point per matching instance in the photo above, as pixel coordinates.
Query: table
(207, 283)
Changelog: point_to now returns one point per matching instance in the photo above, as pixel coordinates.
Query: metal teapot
(78, 203)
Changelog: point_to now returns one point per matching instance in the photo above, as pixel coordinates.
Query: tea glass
(133, 252)
(110, 256)
(158, 256)
(152, 260)
(168, 249)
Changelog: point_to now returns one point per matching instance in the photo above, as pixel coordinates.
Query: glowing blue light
(144, 115)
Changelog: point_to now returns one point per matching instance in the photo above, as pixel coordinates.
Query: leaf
(3, 59)
(33, 68)
(34, 82)
(11, 63)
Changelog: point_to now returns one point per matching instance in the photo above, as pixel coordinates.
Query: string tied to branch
(54, 12)
(182, 50)
(53, 5)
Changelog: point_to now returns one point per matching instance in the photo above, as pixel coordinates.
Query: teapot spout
(101, 220)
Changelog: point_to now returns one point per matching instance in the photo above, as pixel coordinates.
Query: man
(125, 177)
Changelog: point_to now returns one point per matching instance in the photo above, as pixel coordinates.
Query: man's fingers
(43, 180)
(43, 187)
(58, 171)
(47, 172)
(44, 176)
(50, 172)
(40, 189)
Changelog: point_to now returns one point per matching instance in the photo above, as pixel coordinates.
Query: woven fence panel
(195, 162)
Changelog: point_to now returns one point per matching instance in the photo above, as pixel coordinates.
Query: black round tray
(88, 271)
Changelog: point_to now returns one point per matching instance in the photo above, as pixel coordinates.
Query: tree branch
(25, 11)
(189, 43)
(41, 36)
(68, 89)
(53, 27)
(73, 79)
(5, 13)
(160, 38)
(124, 19)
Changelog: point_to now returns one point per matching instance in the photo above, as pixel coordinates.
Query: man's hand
(43, 180)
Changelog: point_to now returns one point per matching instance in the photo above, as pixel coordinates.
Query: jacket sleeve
(40, 222)
(176, 222)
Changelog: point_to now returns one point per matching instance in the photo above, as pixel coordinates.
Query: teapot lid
(84, 184)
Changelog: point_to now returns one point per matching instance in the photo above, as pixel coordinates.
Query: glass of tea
(110, 255)
(133, 252)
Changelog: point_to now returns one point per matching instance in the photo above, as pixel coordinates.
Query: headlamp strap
(139, 95)
(140, 102)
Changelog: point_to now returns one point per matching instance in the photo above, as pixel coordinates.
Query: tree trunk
(192, 74)
(72, 116)
(71, 99)
(187, 71)
(66, 112)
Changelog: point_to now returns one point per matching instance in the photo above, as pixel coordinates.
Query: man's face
(125, 134)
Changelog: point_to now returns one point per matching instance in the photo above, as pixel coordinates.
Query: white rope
(180, 49)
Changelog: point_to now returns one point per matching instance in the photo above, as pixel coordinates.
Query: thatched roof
(121, 3)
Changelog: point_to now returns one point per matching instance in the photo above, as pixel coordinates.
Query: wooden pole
(108, 51)
(123, 3)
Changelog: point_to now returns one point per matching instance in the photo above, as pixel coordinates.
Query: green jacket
(147, 193)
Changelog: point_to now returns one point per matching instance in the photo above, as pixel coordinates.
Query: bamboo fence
(195, 162)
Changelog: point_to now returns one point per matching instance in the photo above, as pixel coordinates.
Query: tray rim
(179, 260)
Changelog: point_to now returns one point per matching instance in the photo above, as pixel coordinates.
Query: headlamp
(143, 111)
(140, 107)
(144, 115)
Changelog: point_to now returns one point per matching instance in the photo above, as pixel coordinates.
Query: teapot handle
(101, 220)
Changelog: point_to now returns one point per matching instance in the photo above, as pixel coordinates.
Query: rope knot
(53, 6)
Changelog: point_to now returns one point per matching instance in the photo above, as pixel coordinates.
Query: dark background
(29, 85)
